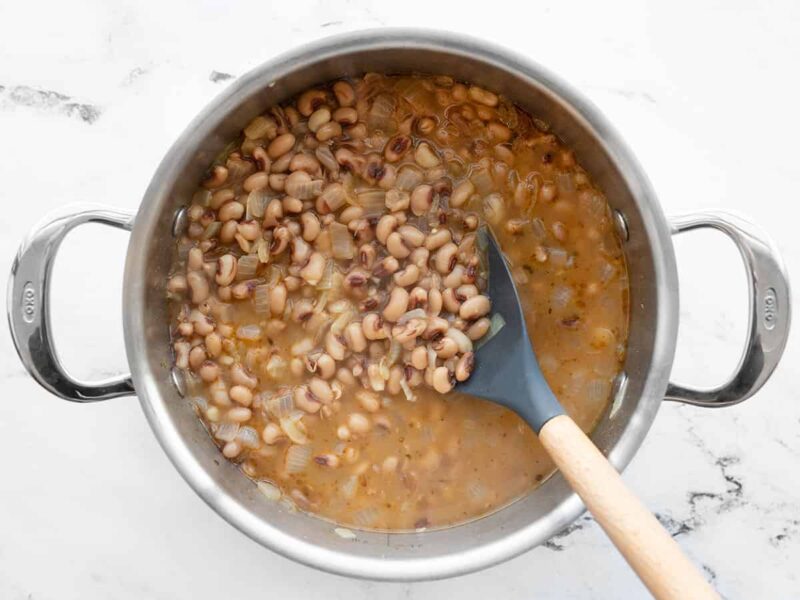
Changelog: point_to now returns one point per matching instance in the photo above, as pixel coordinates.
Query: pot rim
(460, 561)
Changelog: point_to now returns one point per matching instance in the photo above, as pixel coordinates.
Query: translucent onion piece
(247, 267)
(408, 177)
(407, 390)
(271, 491)
(560, 296)
(496, 323)
(338, 325)
(349, 487)
(274, 275)
(345, 534)
(256, 203)
(482, 181)
(294, 429)
(321, 302)
(262, 250)
(201, 197)
(309, 189)
(394, 353)
(538, 228)
(250, 332)
(380, 114)
(460, 338)
(373, 202)
(297, 458)
(334, 196)
(227, 432)
(248, 437)
(558, 257)
(327, 159)
(326, 283)
(211, 230)
(261, 299)
(281, 405)
(366, 517)
(597, 391)
(341, 241)
(340, 306)
(416, 313)
(565, 183)
(276, 366)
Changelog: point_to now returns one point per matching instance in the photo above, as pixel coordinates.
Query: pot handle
(28, 304)
(769, 312)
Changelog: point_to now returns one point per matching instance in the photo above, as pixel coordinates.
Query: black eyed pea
(474, 308)
(328, 131)
(231, 211)
(409, 331)
(445, 348)
(335, 346)
(425, 156)
(482, 96)
(445, 258)
(345, 115)
(198, 284)
(461, 193)
(354, 335)
(213, 343)
(455, 277)
(418, 297)
(412, 236)
(419, 358)
(271, 434)
(358, 423)
(369, 401)
(478, 329)
(435, 301)
(374, 328)
(280, 145)
(227, 266)
(437, 239)
(277, 299)
(318, 118)
(441, 380)
(182, 354)
(239, 414)
(314, 269)
(407, 276)
(305, 400)
(232, 449)
(396, 148)
(450, 301)
(344, 93)
(240, 376)
(385, 227)
(421, 199)
(249, 230)
(216, 177)
(395, 375)
(387, 266)
(309, 101)
(465, 366)
(292, 205)
(397, 305)
(396, 246)
(208, 371)
(321, 390)
(311, 226)
(366, 256)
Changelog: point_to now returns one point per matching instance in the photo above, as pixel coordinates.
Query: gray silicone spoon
(507, 372)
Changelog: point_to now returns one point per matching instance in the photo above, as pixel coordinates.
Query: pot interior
(467, 547)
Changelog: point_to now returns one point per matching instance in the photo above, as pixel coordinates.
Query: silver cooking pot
(398, 556)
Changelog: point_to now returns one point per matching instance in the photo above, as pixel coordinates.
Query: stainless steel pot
(408, 556)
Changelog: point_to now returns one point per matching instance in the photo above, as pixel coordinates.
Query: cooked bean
(450, 301)
(344, 93)
(425, 156)
(474, 307)
(216, 177)
(441, 380)
(421, 199)
(345, 115)
(482, 96)
(358, 423)
(328, 131)
(396, 246)
(478, 329)
(271, 434)
(335, 346)
(397, 200)
(232, 449)
(397, 305)
(277, 299)
(314, 270)
(354, 335)
(368, 401)
(321, 390)
(408, 276)
(386, 225)
(208, 371)
(280, 145)
(374, 327)
(445, 258)
(408, 331)
(198, 284)
(305, 400)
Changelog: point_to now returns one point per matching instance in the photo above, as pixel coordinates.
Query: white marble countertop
(92, 92)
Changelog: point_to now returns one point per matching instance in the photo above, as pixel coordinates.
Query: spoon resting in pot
(507, 372)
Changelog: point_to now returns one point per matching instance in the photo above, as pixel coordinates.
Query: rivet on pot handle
(769, 312)
(28, 304)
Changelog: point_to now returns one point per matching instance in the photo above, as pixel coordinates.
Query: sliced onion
(380, 114)
(247, 266)
(597, 391)
(262, 250)
(274, 275)
(248, 437)
(211, 230)
(496, 323)
(341, 241)
(460, 338)
(558, 257)
(349, 487)
(261, 299)
(482, 181)
(416, 313)
(408, 177)
(373, 202)
(271, 491)
(326, 283)
(407, 390)
(393, 354)
(294, 429)
(281, 405)
(538, 228)
(276, 366)
(333, 196)
(565, 183)
(297, 458)
(366, 517)
(227, 432)
(250, 332)
(201, 197)
(342, 321)
(321, 302)
(340, 306)
(327, 159)
(256, 203)
(560, 296)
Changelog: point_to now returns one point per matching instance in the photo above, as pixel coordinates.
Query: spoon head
(506, 370)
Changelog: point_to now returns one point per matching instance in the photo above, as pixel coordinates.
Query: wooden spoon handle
(649, 549)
